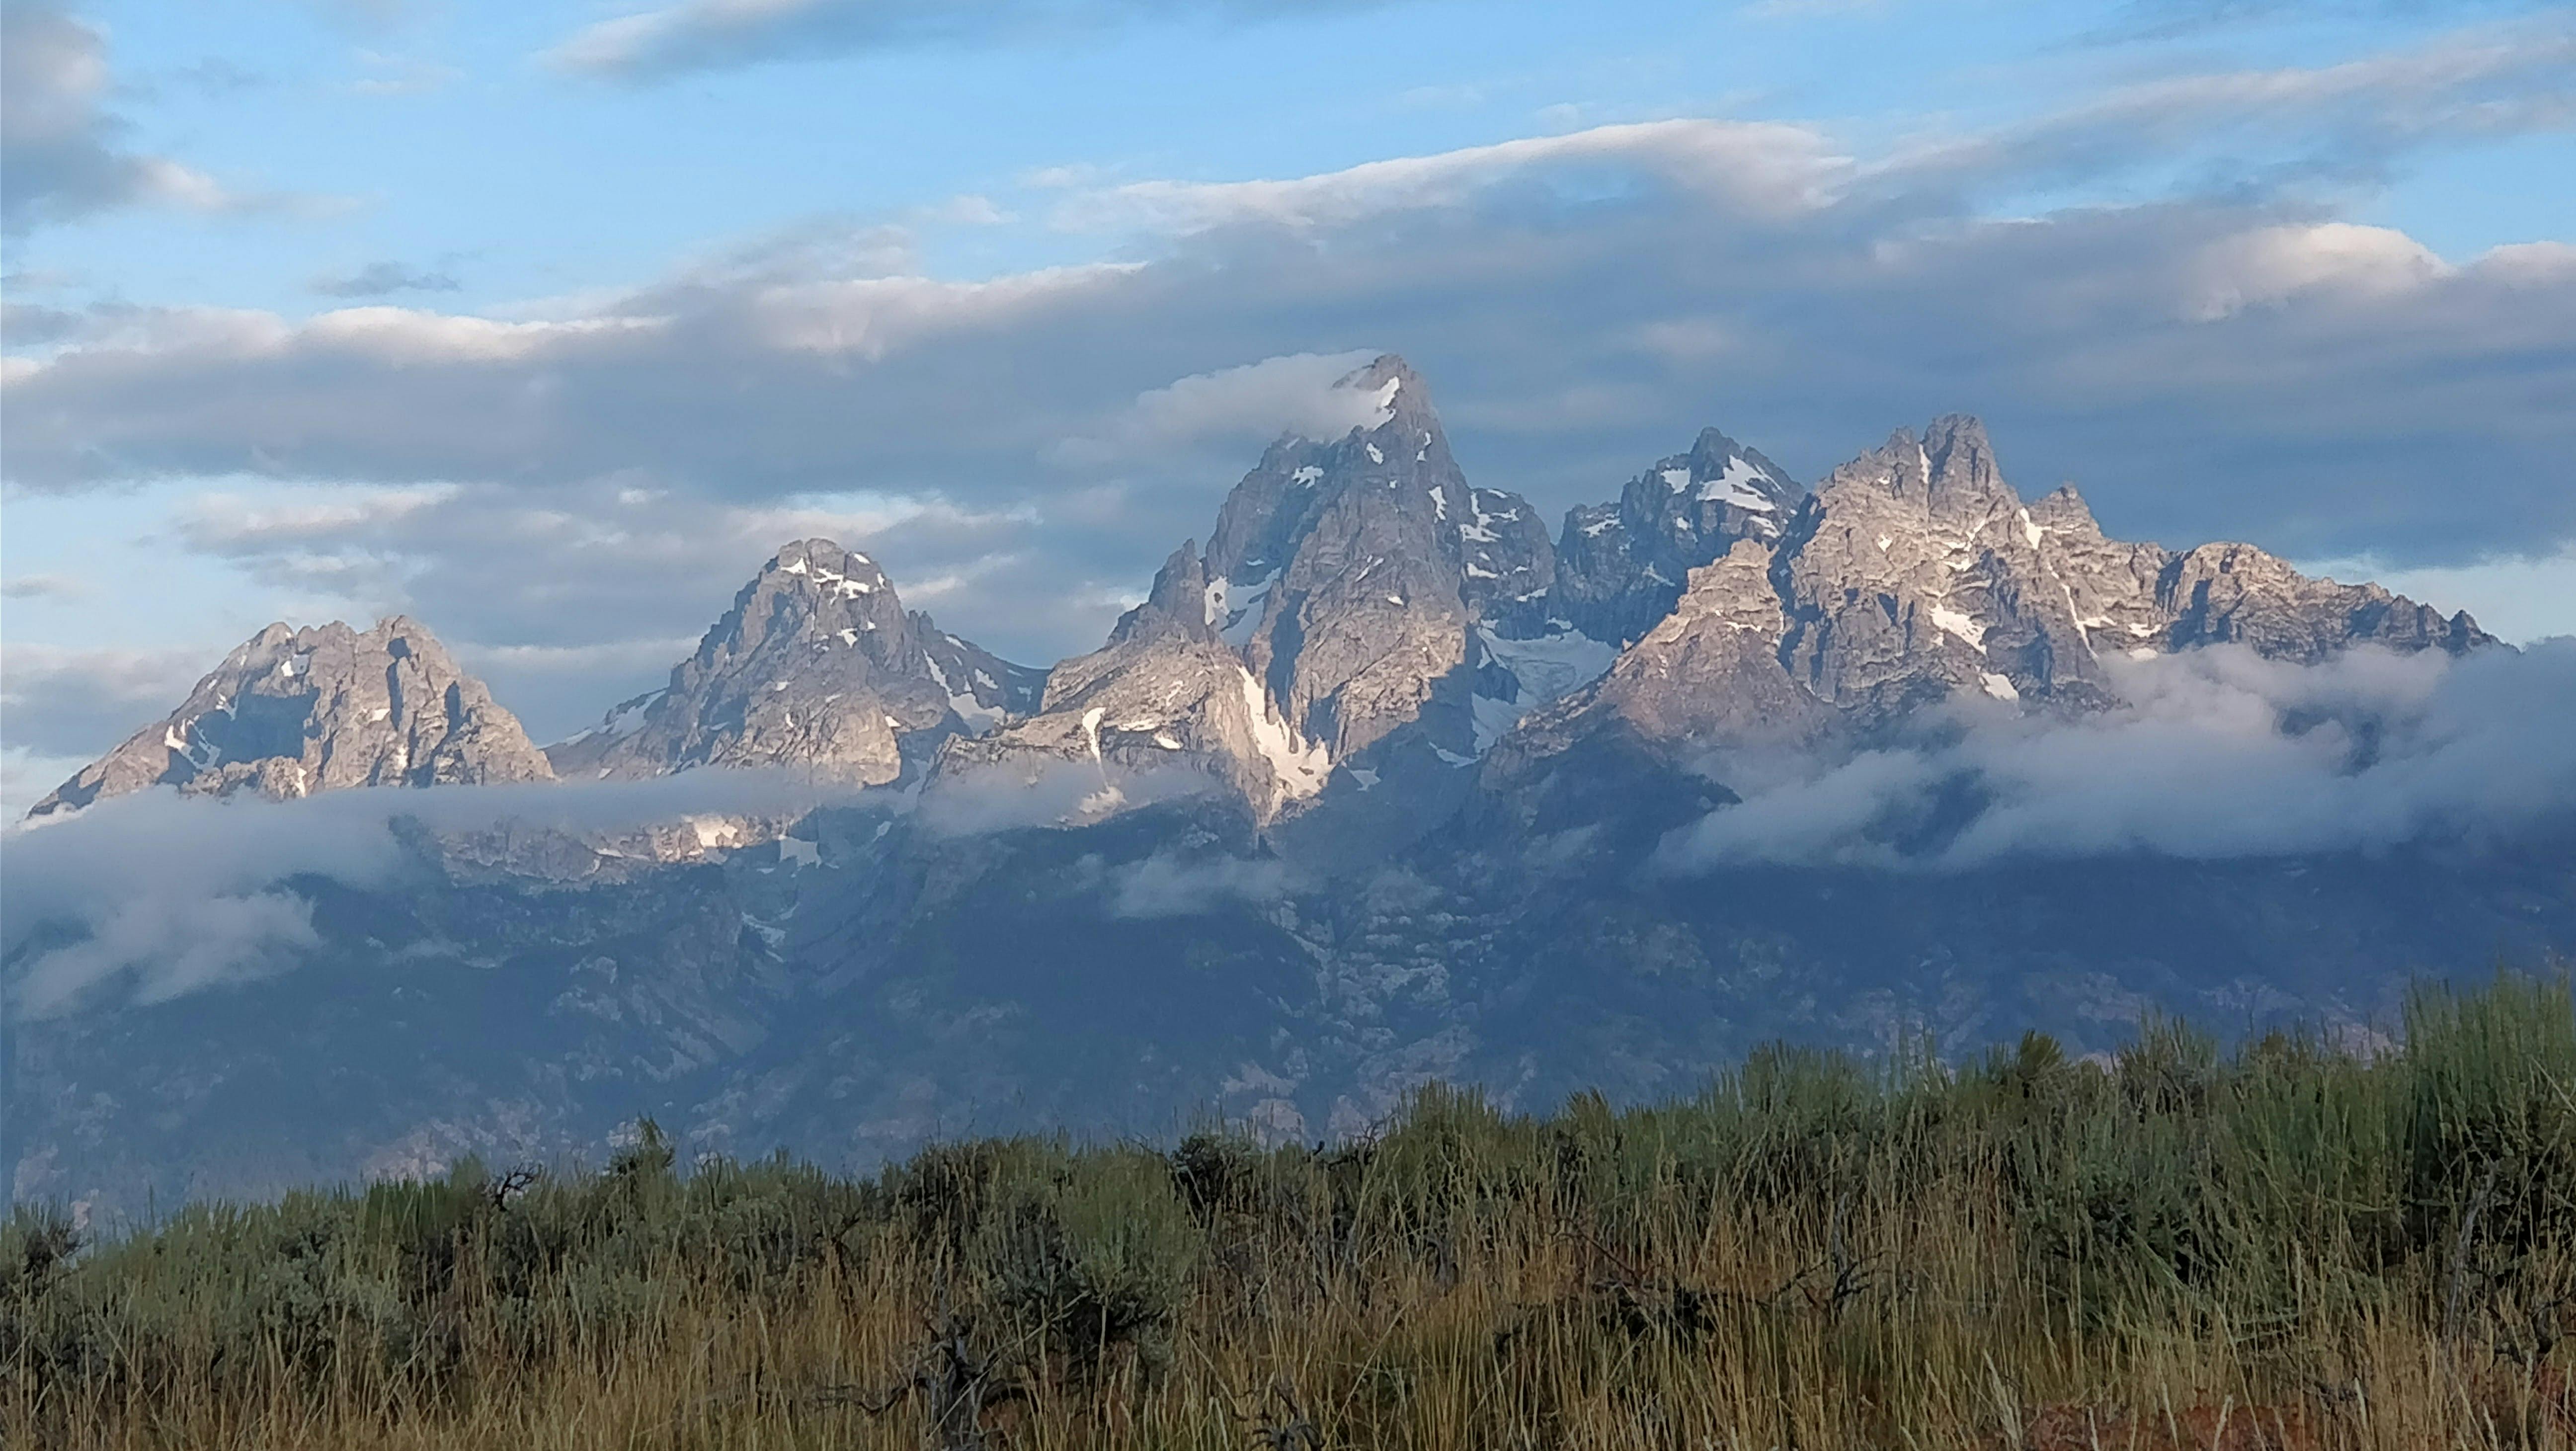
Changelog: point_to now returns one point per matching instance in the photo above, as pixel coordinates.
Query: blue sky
(546, 323)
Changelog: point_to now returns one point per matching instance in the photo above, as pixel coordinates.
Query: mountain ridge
(1429, 829)
(1361, 606)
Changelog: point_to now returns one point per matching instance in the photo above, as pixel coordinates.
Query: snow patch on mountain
(1543, 668)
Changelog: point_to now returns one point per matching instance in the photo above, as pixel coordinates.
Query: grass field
(2286, 1245)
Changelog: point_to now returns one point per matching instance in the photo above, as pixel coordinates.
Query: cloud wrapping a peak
(1242, 408)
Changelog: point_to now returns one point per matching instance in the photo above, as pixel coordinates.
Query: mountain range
(1383, 784)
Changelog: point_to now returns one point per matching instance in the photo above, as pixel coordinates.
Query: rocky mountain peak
(1960, 460)
(1622, 566)
(1335, 566)
(2238, 594)
(1400, 390)
(1182, 603)
(1398, 442)
(2062, 510)
(1166, 692)
(817, 666)
(1949, 470)
(1915, 574)
(1329, 612)
(293, 711)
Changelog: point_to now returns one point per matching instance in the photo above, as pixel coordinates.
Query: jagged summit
(290, 712)
(1328, 615)
(1620, 565)
(1363, 617)
(816, 666)
(1366, 609)
(1182, 602)
(1913, 574)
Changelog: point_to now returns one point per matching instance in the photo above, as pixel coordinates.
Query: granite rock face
(1353, 548)
(1508, 568)
(817, 667)
(1166, 692)
(1710, 670)
(1330, 622)
(2221, 593)
(290, 712)
(1622, 565)
(1915, 574)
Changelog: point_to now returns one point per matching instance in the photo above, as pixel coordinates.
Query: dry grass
(2283, 1248)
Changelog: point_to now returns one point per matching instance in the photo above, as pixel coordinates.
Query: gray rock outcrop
(290, 712)
(1353, 547)
(816, 667)
(1166, 692)
(1329, 621)
(1914, 574)
(1621, 565)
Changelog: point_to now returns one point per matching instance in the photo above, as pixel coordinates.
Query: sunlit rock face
(1914, 575)
(291, 712)
(1622, 565)
(816, 668)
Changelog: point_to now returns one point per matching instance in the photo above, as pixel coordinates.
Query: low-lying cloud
(1169, 884)
(2214, 753)
(1059, 792)
(157, 895)
(172, 894)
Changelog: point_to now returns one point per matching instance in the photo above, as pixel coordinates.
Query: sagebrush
(2290, 1244)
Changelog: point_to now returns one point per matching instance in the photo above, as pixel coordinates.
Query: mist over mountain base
(871, 982)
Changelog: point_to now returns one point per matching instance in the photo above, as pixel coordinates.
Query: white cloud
(173, 946)
(695, 35)
(293, 516)
(378, 279)
(2213, 753)
(2272, 264)
(966, 209)
(1023, 449)
(1165, 885)
(1764, 168)
(58, 160)
(162, 895)
(2539, 264)
(2339, 120)
(1243, 407)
